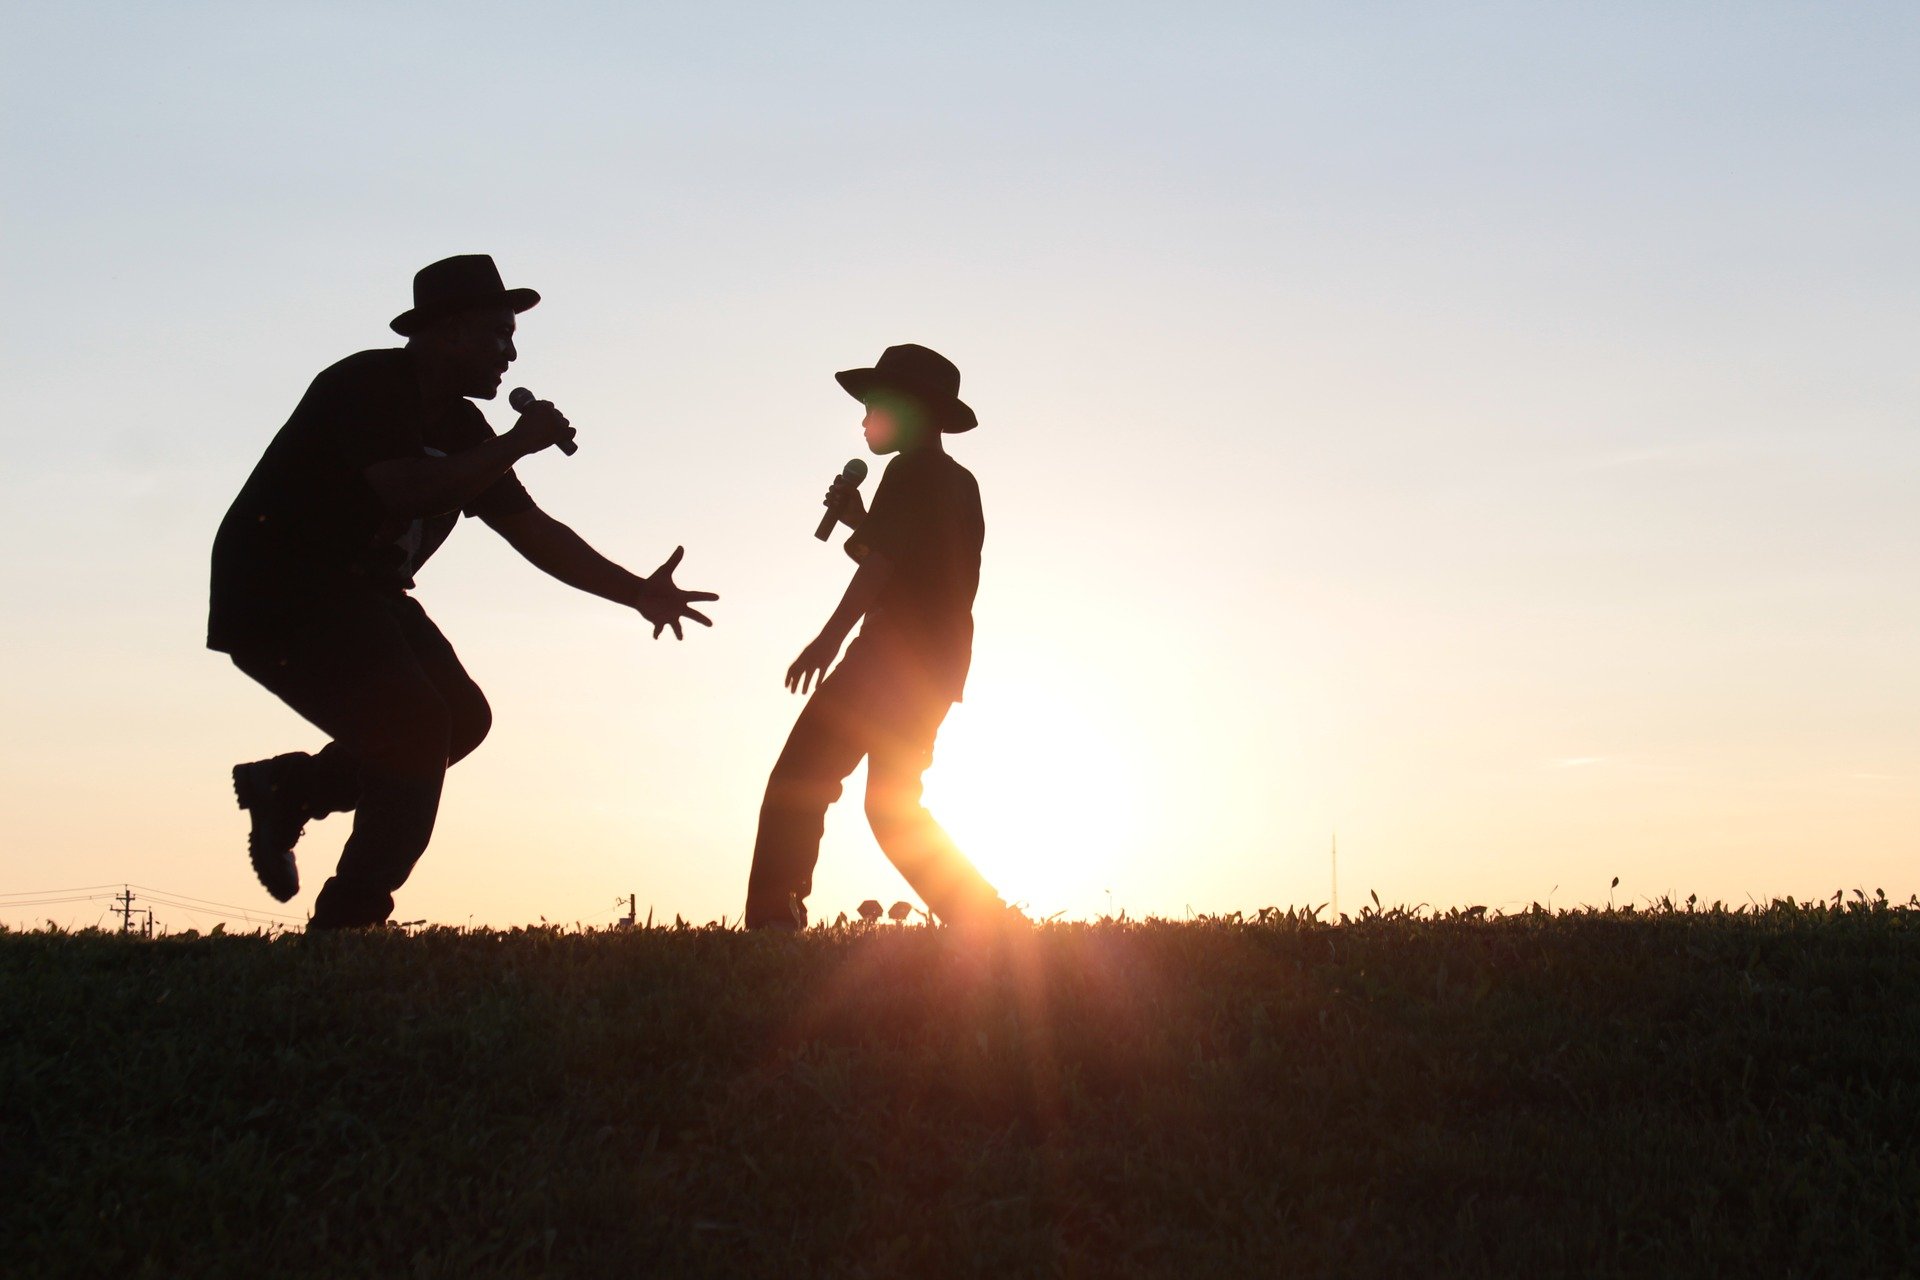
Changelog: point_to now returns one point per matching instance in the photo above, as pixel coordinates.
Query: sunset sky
(1484, 431)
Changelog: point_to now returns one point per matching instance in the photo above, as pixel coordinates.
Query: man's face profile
(476, 347)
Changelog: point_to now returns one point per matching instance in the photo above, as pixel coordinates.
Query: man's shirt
(926, 520)
(307, 528)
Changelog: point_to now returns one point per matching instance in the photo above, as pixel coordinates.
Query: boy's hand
(843, 499)
(812, 664)
(664, 604)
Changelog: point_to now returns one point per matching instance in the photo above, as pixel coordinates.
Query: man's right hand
(663, 603)
(540, 426)
(843, 499)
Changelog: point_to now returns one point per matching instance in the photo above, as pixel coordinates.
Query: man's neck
(437, 386)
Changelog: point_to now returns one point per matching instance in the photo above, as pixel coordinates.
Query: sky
(1484, 432)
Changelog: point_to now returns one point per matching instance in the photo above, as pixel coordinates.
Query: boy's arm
(868, 582)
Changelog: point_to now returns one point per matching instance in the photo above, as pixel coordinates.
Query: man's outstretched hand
(664, 604)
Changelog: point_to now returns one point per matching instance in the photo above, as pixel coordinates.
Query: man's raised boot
(273, 792)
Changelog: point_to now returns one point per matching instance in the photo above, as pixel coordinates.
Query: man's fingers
(699, 595)
(672, 562)
(699, 617)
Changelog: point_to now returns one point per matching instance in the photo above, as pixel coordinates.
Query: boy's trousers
(877, 707)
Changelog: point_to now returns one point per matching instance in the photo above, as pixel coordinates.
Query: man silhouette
(919, 557)
(313, 562)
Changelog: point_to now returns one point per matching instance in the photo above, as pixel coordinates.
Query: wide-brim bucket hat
(917, 371)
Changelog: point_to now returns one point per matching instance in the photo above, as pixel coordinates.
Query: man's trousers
(375, 675)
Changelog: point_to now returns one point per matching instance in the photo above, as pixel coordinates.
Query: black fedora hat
(917, 371)
(457, 284)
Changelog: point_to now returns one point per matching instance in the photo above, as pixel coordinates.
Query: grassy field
(1665, 1092)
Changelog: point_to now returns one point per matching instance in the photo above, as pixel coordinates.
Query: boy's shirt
(926, 520)
(307, 527)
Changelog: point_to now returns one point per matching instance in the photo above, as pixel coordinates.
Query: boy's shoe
(264, 789)
(791, 919)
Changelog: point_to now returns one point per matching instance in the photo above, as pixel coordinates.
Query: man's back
(307, 526)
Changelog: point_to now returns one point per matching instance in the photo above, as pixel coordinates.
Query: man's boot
(274, 793)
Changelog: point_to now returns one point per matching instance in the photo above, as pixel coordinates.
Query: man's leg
(361, 682)
(925, 854)
(447, 728)
(328, 781)
(290, 789)
(469, 718)
(825, 746)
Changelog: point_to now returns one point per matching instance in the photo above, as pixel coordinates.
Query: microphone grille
(855, 470)
(520, 398)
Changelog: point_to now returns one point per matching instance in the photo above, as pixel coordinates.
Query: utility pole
(628, 921)
(125, 911)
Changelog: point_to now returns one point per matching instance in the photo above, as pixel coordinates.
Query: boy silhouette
(918, 552)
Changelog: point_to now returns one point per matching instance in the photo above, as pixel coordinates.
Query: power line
(242, 917)
(194, 907)
(209, 902)
(45, 893)
(51, 902)
(90, 893)
(203, 907)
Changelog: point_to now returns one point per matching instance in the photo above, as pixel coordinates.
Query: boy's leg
(825, 746)
(920, 847)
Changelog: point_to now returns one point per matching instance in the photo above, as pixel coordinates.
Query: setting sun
(1042, 789)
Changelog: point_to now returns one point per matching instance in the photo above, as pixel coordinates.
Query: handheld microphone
(520, 398)
(856, 471)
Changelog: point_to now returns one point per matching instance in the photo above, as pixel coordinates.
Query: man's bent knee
(469, 728)
(414, 745)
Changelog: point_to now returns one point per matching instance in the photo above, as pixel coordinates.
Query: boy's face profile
(880, 429)
(892, 423)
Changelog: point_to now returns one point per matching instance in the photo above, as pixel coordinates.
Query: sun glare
(1041, 793)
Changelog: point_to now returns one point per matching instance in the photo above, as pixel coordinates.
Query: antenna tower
(1336, 876)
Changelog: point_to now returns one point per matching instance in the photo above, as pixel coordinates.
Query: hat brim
(414, 319)
(952, 415)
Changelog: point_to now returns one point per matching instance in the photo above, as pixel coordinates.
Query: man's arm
(558, 551)
(868, 581)
(413, 487)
